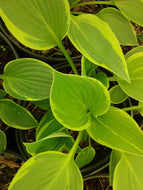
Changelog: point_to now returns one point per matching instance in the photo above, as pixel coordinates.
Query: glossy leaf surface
(16, 116)
(36, 24)
(135, 68)
(117, 95)
(28, 79)
(128, 173)
(117, 130)
(120, 25)
(3, 142)
(96, 41)
(74, 99)
(85, 156)
(133, 9)
(56, 171)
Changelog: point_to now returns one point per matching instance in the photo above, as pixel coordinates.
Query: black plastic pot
(23, 52)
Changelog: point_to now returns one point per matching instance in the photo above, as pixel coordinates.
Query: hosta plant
(89, 104)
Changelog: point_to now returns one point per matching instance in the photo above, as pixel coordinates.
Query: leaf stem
(112, 78)
(133, 108)
(61, 46)
(93, 3)
(75, 146)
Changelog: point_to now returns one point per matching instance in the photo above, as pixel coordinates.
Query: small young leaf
(102, 78)
(117, 130)
(128, 173)
(133, 51)
(85, 156)
(95, 40)
(28, 79)
(56, 142)
(117, 95)
(88, 68)
(47, 126)
(114, 159)
(135, 68)
(36, 24)
(2, 94)
(132, 9)
(55, 171)
(16, 116)
(3, 142)
(74, 99)
(120, 25)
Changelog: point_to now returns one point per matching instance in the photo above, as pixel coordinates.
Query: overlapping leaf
(120, 25)
(55, 171)
(117, 130)
(128, 173)
(74, 99)
(133, 9)
(28, 79)
(36, 24)
(3, 142)
(95, 40)
(135, 68)
(16, 116)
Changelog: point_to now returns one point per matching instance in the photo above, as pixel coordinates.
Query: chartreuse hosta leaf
(120, 25)
(133, 51)
(128, 173)
(114, 159)
(102, 78)
(16, 116)
(37, 24)
(48, 170)
(74, 99)
(132, 9)
(85, 156)
(95, 40)
(117, 95)
(47, 126)
(135, 68)
(117, 130)
(3, 142)
(28, 79)
(56, 142)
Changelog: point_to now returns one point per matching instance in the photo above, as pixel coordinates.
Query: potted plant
(87, 104)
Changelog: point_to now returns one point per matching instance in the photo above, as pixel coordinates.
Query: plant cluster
(87, 103)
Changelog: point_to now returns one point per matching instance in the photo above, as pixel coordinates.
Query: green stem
(133, 108)
(61, 46)
(93, 3)
(75, 146)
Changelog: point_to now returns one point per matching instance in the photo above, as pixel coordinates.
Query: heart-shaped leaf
(37, 24)
(120, 25)
(95, 40)
(28, 79)
(3, 142)
(135, 68)
(16, 116)
(55, 171)
(74, 99)
(133, 9)
(117, 130)
(128, 173)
